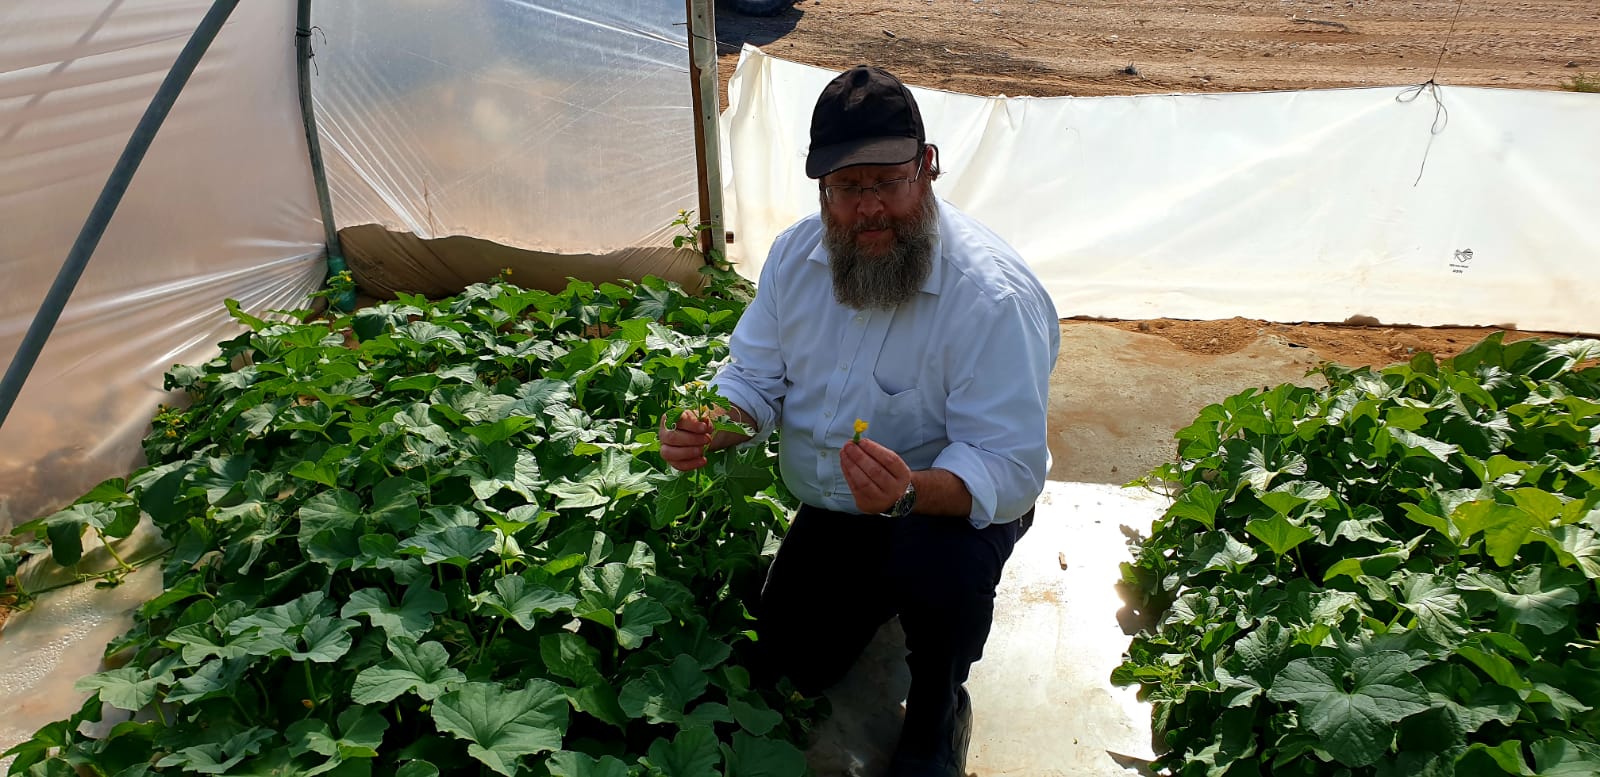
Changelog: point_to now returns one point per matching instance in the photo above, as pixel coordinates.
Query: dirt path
(1051, 48)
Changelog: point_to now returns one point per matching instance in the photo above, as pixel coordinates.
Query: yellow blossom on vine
(861, 428)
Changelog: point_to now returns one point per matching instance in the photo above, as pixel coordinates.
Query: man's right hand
(683, 446)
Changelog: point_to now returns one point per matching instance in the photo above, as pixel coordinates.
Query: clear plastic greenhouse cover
(563, 126)
(1475, 209)
(223, 207)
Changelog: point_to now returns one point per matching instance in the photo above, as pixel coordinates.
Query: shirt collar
(932, 283)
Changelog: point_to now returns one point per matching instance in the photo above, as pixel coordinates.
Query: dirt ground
(1048, 48)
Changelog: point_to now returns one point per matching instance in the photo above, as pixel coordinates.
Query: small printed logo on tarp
(1462, 261)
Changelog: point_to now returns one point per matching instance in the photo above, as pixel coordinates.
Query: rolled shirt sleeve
(996, 413)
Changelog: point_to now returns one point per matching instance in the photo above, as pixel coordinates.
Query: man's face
(879, 243)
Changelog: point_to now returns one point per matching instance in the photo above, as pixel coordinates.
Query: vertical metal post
(308, 115)
(707, 143)
(144, 133)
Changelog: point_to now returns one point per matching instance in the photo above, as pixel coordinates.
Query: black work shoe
(950, 760)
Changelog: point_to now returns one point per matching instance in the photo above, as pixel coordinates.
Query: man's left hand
(876, 475)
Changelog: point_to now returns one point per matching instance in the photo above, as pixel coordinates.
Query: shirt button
(843, 366)
(827, 414)
(859, 319)
(822, 454)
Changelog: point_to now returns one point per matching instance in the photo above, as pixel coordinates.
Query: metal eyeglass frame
(850, 194)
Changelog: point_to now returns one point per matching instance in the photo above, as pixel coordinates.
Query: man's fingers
(890, 461)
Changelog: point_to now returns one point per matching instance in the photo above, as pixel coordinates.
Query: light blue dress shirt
(957, 378)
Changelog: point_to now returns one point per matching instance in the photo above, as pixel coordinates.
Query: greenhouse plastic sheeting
(223, 207)
(1426, 206)
(564, 126)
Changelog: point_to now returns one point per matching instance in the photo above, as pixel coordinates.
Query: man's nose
(870, 204)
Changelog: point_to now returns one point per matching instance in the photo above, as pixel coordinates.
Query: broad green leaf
(394, 503)
(1505, 528)
(504, 725)
(1441, 613)
(219, 757)
(521, 599)
(333, 516)
(417, 768)
(1488, 703)
(1353, 709)
(129, 688)
(1496, 666)
(1542, 505)
(1278, 533)
(570, 656)
(638, 619)
(214, 678)
(1537, 596)
(566, 763)
(663, 693)
(1507, 755)
(604, 591)
(1287, 496)
(1199, 503)
(1418, 445)
(326, 640)
(504, 467)
(1355, 567)
(755, 716)
(199, 641)
(361, 733)
(1562, 757)
(457, 545)
(412, 617)
(692, 753)
(757, 757)
(420, 668)
(1219, 550)
(1259, 472)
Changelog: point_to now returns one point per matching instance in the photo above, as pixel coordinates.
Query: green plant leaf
(412, 617)
(1441, 613)
(361, 734)
(1562, 757)
(504, 725)
(219, 757)
(1278, 533)
(1199, 503)
(757, 757)
(569, 764)
(503, 467)
(692, 753)
(1505, 528)
(521, 599)
(422, 668)
(1353, 709)
(755, 716)
(663, 694)
(129, 688)
(1537, 596)
(458, 546)
(638, 619)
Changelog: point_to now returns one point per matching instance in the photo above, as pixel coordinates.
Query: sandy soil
(1050, 48)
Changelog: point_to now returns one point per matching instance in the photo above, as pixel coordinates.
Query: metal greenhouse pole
(105, 206)
(707, 146)
(302, 44)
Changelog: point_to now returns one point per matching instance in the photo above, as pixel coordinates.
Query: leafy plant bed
(1395, 575)
(436, 538)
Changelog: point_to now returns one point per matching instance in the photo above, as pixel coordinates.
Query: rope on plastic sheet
(311, 51)
(1441, 114)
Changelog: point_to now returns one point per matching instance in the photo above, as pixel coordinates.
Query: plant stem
(112, 551)
(86, 578)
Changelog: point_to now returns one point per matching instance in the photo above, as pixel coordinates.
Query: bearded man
(892, 307)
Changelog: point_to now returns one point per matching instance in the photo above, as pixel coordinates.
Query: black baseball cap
(865, 116)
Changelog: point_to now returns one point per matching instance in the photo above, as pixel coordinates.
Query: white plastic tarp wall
(564, 126)
(222, 207)
(1284, 206)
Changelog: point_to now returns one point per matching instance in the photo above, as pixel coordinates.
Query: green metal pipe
(302, 44)
(144, 133)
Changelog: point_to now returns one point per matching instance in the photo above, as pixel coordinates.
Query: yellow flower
(861, 427)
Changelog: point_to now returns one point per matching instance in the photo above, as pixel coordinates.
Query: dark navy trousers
(839, 576)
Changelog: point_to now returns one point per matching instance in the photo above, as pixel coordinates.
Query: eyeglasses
(885, 191)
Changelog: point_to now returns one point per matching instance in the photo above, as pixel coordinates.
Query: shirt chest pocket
(901, 421)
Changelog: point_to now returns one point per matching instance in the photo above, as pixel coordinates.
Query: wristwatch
(902, 506)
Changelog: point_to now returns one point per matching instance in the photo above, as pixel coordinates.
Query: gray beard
(883, 282)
